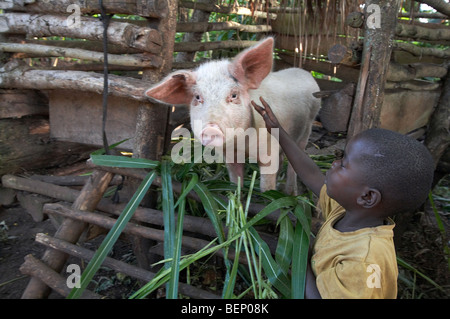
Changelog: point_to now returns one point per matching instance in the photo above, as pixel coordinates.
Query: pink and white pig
(219, 95)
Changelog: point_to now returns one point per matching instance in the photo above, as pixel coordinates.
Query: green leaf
(168, 211)
(283, 253)
(299, 262)
(123, 161)
(211, 209)
(275, 274)
(112, 236)
(172, 292)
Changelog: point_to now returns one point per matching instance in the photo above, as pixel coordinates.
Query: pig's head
(218, 92)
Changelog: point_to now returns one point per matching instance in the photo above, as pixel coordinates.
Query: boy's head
(397, 167)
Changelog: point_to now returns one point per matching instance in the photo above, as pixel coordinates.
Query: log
(191, 224)
(422, 51)
(254, 208)
(124, 34)
(426, 15)
(145, 8)
(69, 180)
(33, 204)
(206, 46)
(70, 230)
(399, 72)
(21, 77)
(422, 33)
(25, 144)
(440, 5)
(37, 269)
(220, 26)
(195, 244)
(377, 50)
(412, 85)
(119, 266)
(137, 60)
(80, 44)
(226, 9)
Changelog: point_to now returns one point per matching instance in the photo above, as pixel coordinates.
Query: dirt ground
(421, 245)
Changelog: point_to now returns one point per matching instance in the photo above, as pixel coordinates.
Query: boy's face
(344, 179)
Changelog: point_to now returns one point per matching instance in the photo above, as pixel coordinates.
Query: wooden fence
(51, 56)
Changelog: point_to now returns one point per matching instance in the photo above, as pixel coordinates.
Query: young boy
(382, 173)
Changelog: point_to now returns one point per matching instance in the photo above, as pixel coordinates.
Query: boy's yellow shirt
(360, 264)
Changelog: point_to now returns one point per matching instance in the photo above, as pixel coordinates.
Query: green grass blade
(273, 271)
(283, 252)
(172, 292)
(123, 161)
(168, 216)
(299, 262)
(211, 209)
(187, 189)
(112, 236)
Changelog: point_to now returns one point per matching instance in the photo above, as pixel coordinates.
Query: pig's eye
(234, 96)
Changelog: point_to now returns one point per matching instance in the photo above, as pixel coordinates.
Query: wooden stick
(118, 266)
(70, 230)
(19, 76)
(37, 269)
(226, 9)
(422, 51)
(219, 26)
(137, 60)
(206, 46)
(131, 228)
(146, 8)
(124, 34)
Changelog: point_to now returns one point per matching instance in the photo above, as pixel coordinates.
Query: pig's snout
(212, 135)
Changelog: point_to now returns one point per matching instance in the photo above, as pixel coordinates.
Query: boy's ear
(369, 198)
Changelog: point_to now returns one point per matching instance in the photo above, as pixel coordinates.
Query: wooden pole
(145, 8)
(118, 266)
(70, 231)
(380, 24)
(42, 25)
(150, 137)
(36, 268)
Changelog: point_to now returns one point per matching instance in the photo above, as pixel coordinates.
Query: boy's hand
(267, 114)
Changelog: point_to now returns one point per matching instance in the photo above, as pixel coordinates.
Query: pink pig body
(219, 95)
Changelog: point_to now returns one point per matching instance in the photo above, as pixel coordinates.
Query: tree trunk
(150, 138)
(438, 137)
(376, 56)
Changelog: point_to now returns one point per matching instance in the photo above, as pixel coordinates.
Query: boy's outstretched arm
(303, 165)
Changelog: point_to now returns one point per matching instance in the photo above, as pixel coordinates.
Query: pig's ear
(174, 89)
(253, 65)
